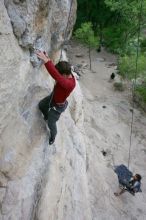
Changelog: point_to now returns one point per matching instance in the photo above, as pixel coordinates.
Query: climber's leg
(53, 117)
(44, 106)
(120, 193)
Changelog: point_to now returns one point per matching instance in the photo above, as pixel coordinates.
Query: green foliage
(93, 11)
(143, 45)
(127, 66)
(131, 47)
(127, 14)
(127, 10)
(86, 35)
(114, 39)
(141, 91)
(114, 21)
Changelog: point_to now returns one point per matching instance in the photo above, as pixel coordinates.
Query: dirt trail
(107, 125)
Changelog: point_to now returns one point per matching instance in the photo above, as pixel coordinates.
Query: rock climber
(133, 186)
(53, 105)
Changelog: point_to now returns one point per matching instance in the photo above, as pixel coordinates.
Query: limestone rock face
(32, 172)
(41, 24)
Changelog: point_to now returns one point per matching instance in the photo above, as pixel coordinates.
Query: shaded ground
(108, 128)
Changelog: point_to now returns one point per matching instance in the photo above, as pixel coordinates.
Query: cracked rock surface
(41, 24)
(25, 157)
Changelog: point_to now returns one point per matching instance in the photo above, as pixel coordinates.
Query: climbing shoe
(51, 140)
(116, 194)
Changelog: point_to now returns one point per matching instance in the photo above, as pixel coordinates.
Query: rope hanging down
(65, 33)
(135, 77)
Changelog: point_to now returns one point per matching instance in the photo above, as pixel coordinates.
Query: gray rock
(85, 65)
(100, 59)
(25, 157)
(79, 55)
(41, 20)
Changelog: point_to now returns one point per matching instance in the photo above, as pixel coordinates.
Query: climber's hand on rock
(42, 55)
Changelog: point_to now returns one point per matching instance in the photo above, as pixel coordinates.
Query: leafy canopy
(86, 35)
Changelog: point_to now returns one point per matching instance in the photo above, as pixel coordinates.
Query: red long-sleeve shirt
(64, 86)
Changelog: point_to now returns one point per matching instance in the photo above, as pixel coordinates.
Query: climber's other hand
(42, 55)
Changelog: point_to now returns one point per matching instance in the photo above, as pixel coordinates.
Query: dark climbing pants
(51, 113)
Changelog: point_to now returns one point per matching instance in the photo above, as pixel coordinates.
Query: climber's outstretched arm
(65, 83)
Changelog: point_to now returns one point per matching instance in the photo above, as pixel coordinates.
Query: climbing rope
(135, 77)
(65, 33)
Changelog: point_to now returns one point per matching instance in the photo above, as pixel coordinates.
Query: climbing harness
(65, 33)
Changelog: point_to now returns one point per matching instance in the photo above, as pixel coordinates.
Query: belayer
(53, 105)
(133, 185)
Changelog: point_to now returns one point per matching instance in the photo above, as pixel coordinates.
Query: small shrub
(118, 86)
(86, 35)
(141, 91)
(131, 47)
(127, 66)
